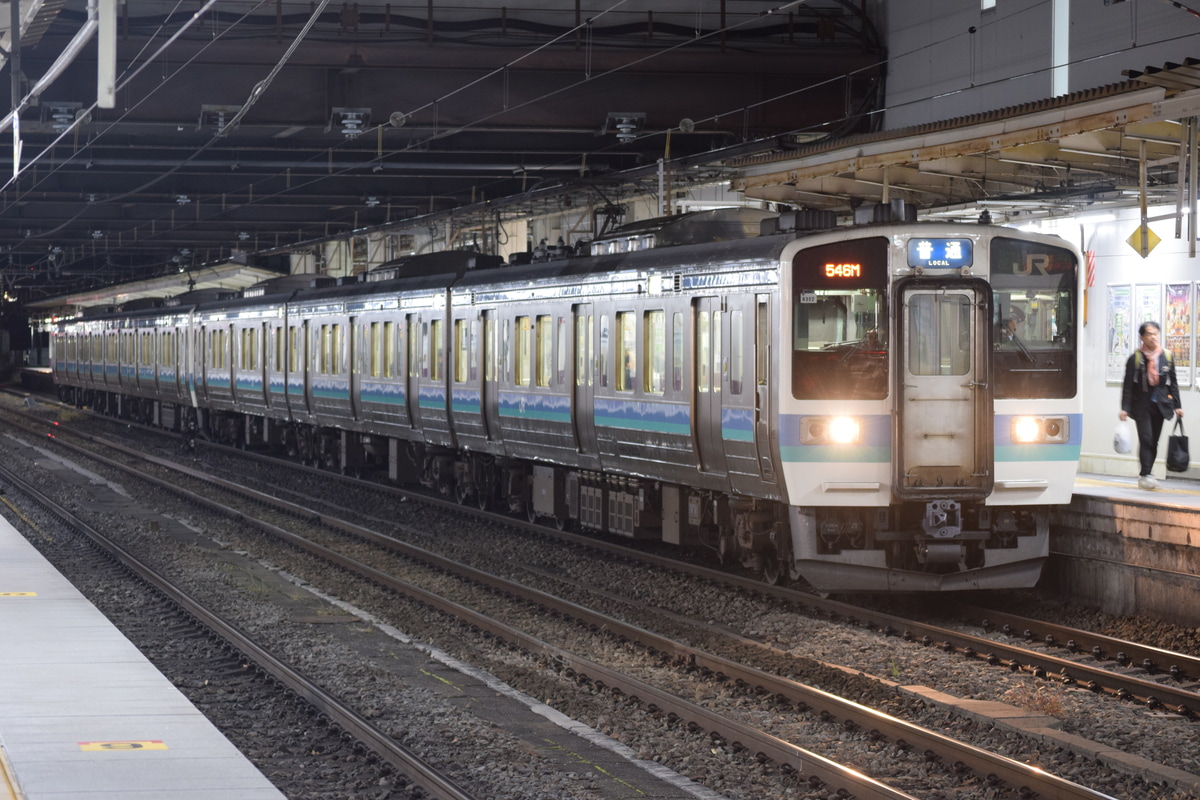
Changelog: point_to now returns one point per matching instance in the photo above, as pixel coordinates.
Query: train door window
(563, 344)
(605, 355)
(489, 349)
(462, 350)
(473, 351)
(627, 350)
(735, 351)
(762, 337)
(524, 348)
(437, 355)
(582, 357)
(654, 331)
(944, 346)
(718, 366)
(544, 340)
(414, 347)
(703, 353)
(323, 347)
(374, 349)
(389, 349)
(677, 351)
(294, 348)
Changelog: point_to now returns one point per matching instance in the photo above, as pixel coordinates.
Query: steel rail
(407, 763)
(959, 754)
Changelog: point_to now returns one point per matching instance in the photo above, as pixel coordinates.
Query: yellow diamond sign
(1143, 240)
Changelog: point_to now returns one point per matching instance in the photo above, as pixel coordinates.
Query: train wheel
(727, 549)
(773, 571)
(463, 492)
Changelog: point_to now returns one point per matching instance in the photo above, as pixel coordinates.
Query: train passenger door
(489, 394)
(584, 369)
(706, 331)
(945, 432)
(358, 360)
(416, 347)
(762, 388)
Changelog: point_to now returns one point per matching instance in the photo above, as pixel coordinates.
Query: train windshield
(1033, 306)
(839, 321)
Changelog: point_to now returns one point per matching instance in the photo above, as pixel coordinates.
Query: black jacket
(1137, 395)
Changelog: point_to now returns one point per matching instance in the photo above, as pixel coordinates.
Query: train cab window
(524, 351)
(839, 342)
(627, 350)
(544, 339)
(1033, 307)
(654, 377)
(462, 350)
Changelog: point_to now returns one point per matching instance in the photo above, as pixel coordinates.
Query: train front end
(929, 407)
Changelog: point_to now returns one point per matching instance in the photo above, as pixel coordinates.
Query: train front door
(945, 433)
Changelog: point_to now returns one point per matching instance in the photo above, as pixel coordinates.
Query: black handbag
(1177, 449)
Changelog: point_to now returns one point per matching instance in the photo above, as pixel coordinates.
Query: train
(805, 398)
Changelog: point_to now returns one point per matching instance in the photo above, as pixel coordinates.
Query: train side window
(524, 351)
(735, 351)
(545, 350)
(462, 350)
(627, 348)
(654, 379)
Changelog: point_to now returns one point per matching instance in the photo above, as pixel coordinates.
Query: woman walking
(1149, 395)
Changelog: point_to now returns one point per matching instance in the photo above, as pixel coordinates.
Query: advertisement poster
(1147, 299)
(1177, 329)
(1119, 327)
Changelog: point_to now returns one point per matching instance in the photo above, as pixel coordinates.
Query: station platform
(1126, 550)
(84, 715)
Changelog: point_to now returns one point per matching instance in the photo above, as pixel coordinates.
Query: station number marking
(152, 744)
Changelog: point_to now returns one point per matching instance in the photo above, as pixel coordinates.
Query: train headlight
(831, 430)
(1040, 430)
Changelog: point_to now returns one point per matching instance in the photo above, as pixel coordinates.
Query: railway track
(850, 716)
(420, 774)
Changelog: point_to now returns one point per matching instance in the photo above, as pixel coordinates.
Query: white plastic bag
(1123, 438)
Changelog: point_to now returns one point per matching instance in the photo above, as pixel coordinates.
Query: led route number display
(843, 270)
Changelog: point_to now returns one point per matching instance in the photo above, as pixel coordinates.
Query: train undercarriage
(930, 545)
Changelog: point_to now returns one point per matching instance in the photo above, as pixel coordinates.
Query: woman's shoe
(1147, 482)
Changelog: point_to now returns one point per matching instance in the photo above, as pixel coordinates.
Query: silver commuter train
(832, 404)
